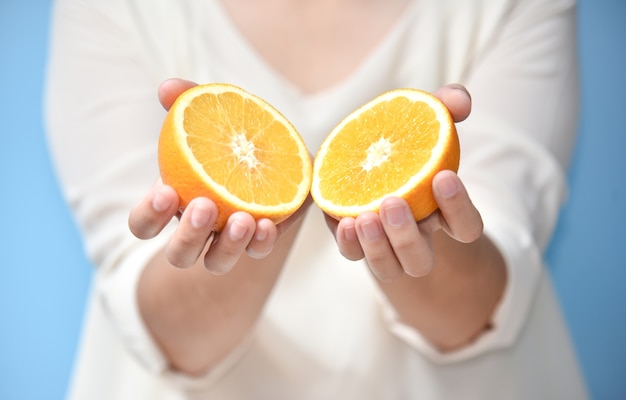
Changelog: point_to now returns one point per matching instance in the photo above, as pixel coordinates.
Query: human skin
(442, 275)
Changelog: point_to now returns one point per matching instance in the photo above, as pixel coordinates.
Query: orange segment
(223, 143)
(391, 146)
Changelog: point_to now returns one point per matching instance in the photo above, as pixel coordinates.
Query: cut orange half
(392, 146)
(221, 142)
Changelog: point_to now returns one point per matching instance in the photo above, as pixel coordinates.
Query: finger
(462, 219)
(153, 212)
(231, 244)
(347, 239)
(457, 99)
(171, 89)
(376, 247)
(412, 247)
(263, 239)
(195, 228)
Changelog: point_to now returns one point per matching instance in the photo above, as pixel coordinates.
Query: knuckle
(142, 226)
(188, 240)
(184, 248)
(420, 268)
(403, 243)
(475, 234)
(352, 253)
(377, 259)
(177, 258)
(386, 272)
(219, 263)
(231, 251)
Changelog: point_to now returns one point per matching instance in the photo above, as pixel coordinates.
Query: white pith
(244, 150)
(377, 154)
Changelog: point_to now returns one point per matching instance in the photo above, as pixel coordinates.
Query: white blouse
(326, 332)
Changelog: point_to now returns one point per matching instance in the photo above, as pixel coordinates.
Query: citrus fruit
(391, 146)
(221, 142)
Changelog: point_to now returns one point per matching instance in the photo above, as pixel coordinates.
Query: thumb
(171, 89)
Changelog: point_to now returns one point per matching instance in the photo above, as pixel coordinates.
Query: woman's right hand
(194, 237)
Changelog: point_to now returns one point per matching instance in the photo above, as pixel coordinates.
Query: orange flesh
(247, 137)
(343, 177)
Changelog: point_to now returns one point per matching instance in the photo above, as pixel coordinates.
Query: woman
(439, 309)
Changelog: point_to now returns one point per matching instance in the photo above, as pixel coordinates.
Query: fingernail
(447, 187)
(237, 231)
(371, 230)
(395, 215)
(349, 233)
(260, 235)
(199, 217)
(159, 201)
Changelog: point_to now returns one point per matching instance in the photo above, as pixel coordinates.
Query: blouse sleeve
(515, 148)
(103, 120)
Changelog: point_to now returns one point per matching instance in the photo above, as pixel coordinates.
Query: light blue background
(44, 276)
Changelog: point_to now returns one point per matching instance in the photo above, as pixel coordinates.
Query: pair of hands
(391, 241)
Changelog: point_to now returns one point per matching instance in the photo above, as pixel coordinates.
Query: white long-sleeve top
(326, 332)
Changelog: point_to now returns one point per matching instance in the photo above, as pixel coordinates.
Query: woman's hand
(194, 237)
(390, 240)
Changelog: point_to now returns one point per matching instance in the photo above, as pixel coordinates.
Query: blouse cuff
(117, 290)
(523, 265)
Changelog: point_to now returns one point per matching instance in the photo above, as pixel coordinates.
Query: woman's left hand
(391, 241)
